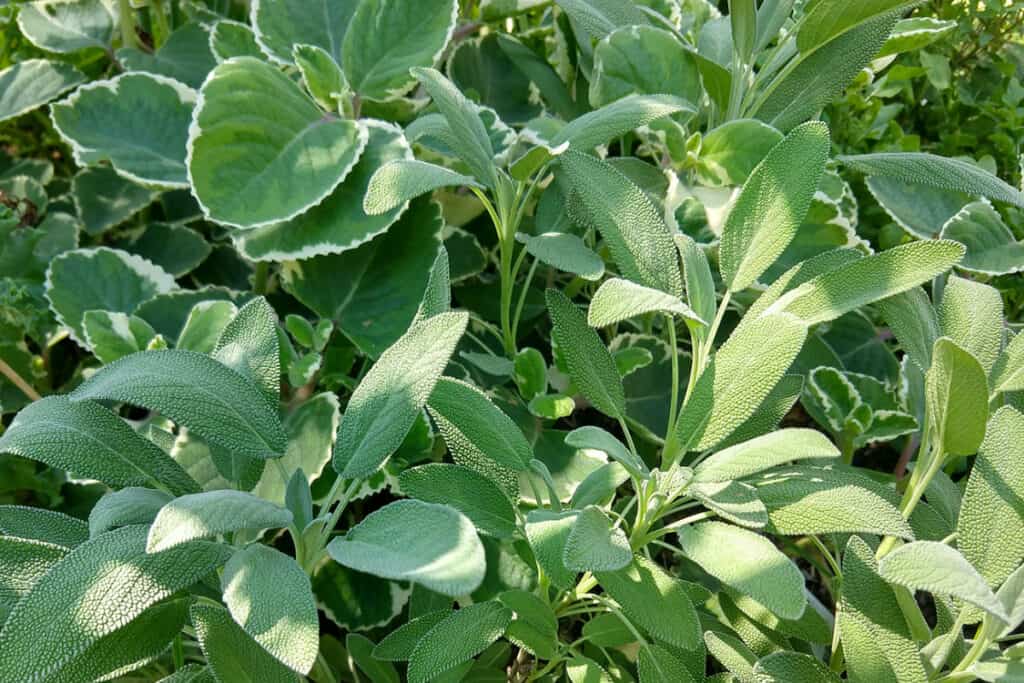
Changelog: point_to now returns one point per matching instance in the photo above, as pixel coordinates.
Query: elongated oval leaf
(591, 366)
(40, 524)
(90, 441)
(458, 638)
(633, 227)
(869, 279)
(409, 540)
(971, 314)
(232, 654)
(191, 388)
(269, 595)
(590, 436)
(132, 505)
(399, 181)
(772, 205)
(202, 515)
(118, 120)
(748, 562)
(937, 568)
(566, 252)
(101, 586)
(1008, 374)
(832, 18)
(617, 300)
(471, 493)
(956, 393)
(598, 127)
(547, 532)
(593, 545)
(763, 453)
(260, 151)
(385, 404)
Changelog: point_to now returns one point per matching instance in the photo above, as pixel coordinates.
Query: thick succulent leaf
(279, 25)
(772, 205)
(739, 377)
(385, 404)
(373, 292)
(990, 528)
(617, 300)
(396, 182)
(230, 38)
(100, 587)
(462, 635)
(246, 173)
(131, 505)
(104, 199)
(921, 210)
(90, 441)
(643, 60)
(956, 393)
(211, 513)
(792, 667)
(942, 172)
(566, 252)
(937, 568)
(339, 223)
(992, 248)
(731, 152)
(547, 533)
(386, 38)
(655, 601)
(34, 82)
(971, 314)
(269, 595)
(115, 121)
(600, 126)
(763, 453)
(591, 366)
(747, 562)
(409, 540)
(185, 56)
(102, 279)
(593, 545)
(869, 279)
(225, 408)
(67, 27)
(471, 493)
(822, 500)
(231, 653)
(876, 641)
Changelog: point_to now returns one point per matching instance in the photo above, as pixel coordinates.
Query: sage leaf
(832, 18)
(1008, 374)
(763, 453)
(971, 314)
(396, 182)
(91, 441)
(748, 562)
(398, 645)
(231, 653)
(617, 300)
(40, 524)
(792, 667)
(992, 248)
(409, 540)
(657, 664)
(202, 515)
(462, 635)
(591, 366)
(385, 404)
(548, 532)
(598, 127)
(249, 346)
(937, 568)
(956, 393)
(592, 437)
(471, 493)
(772, 205)
(564, 251)
(222, 406)
(131, 505)
(293, 164)
(593, 545)
(269, 596)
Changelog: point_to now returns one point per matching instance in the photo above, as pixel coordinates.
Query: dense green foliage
(511, 340)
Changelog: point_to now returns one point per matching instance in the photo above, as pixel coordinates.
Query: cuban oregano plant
(438, 340)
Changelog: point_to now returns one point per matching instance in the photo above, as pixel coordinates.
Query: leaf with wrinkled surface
(462, 635)
(763, 453)
(593, 545)
(617, 300)
(211, 513)
(956, 393)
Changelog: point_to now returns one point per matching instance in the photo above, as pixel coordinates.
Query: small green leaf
(956, 392)
(657, 664)
(792, 667)
(869, 279)
(222, 406)
(385, 404)
(655, 601)
(398, 645)
(763, 453)
(971, 314)
(233, 39)
(593, 545)
(937, 568)
(617, 300)
(108, 121)
(204, 325)
(530, 372)
(211, 513)
(321, 75)
(566, 252)
(630, 223)
(731, 152)
(90, 441)
(941, 172)
(231, 653)
(748, 562)
(547, 533)
(409, 540)
(131, 505)
(294, 164)
(600, 126)
(1008, 374)
(397, 182)
(913, 321)
(471, 493)
(269, 595)
(462, 635)
(48, 80)
(772, 205)
(113, 335)
(592, 437)
(591, 366)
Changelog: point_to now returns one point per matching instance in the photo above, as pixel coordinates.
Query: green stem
(178, 652)
(522, 297)
(158, 17)
(127, 24)
(673, 408)
(17, 380)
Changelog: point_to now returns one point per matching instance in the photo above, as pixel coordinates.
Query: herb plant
(484, 340)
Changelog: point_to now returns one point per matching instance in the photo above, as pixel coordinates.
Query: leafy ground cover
(511, 340)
